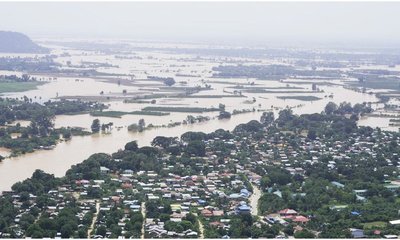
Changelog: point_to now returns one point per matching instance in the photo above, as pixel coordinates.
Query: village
(260, 180)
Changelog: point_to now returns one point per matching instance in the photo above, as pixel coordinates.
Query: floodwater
(137, 67)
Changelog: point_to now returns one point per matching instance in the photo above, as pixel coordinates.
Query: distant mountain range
(14, 42)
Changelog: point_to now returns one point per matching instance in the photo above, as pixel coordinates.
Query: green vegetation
(18, 86)
(119, 114)
(273, 72)
(29, 64)
(95, 126)
(140, 127)
(40, 134)
(310, 163)
(375, 79)
(181, 109)
(12, 110)
(300, 98)
(275, 91)
(12, 83)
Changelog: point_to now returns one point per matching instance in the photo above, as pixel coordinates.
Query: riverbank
(58, 160)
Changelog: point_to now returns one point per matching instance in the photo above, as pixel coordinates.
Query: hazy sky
(224, 22)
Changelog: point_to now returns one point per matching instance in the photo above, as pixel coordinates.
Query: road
(254, 200)
(94, 219)
(143, 210)
(201, 229)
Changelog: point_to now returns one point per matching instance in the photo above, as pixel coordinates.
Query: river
(58, 160)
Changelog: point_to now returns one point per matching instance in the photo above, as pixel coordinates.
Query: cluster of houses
(224, 190)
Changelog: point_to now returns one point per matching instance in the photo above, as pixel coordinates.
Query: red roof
(288, 211)
(126, 185)
(206, 213)
(216, 224)
(300, 219)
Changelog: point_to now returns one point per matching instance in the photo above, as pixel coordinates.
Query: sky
(242, 23)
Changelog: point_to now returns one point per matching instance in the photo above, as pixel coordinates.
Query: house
(235, 196)
(104, 170)
(355, 213)
(357, 233)
(395, 222)
(206, 213)
(243, 209)
(217, 224)
(390, 236)
(337, 184)
(218, 213)
(128, 171)
(300, 219)
(287, 213)
(244, 193)
(176, 207)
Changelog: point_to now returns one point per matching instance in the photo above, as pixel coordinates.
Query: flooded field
(127, 77)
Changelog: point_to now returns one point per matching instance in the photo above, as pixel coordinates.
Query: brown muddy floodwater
(58, 160)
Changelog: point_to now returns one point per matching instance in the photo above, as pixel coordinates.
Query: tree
(191, 218)
(330, 108)
(163, 142)
(265, 182)
(286, 115)
(192, 136)
(314, 87)
(67, 134)
(169, 82)
(44, 120)
(95, 126)
(141, 125)
(67, 230)
(190, 119)
(34, 231)
(101, 230)
(131, 146)
(164, 217)
(267, 118)
(197, 148)
(304, 234)
(224, 114)
(133, 127)
(25, 77)
(312, 134)
(252, 126)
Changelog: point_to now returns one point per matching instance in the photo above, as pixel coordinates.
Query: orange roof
(300, 219)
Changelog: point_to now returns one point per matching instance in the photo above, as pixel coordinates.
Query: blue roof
(244, 190)
(355, 213)
(244, 208)
(234, 195)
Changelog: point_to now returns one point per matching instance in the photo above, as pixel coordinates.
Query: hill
(13, 42)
